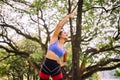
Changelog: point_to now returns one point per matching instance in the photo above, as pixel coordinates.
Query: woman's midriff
(53, 56)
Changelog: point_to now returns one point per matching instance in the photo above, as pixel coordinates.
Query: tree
(108, 49)
(95, 38)
(16, 67)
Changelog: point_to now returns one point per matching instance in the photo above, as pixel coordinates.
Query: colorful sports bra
(55, 48)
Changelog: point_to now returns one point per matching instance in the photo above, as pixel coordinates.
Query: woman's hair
(59, 34)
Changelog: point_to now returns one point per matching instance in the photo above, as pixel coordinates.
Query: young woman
(56, 50)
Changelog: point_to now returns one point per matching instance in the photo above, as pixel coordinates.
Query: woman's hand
(63, 64)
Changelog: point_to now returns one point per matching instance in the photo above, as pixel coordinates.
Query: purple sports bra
(55, 48)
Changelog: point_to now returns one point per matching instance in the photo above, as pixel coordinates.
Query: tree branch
(23, 2)
(102, 63)
(5, 57)
(88, 74)
(89, 37)
(34, 65)
(117, 33)
(15, 7)
(23, 34)
(94, 51)
(101, 7)
(103, 49)
(21, 53)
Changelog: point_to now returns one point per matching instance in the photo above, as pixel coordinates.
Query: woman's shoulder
(53, 41)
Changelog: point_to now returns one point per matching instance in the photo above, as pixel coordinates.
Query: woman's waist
(53, 56)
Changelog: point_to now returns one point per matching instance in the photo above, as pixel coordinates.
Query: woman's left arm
(65, 56)
(63, 63)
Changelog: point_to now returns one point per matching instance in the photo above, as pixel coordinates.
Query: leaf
(113, 1)
(117, 73)
(101, 2)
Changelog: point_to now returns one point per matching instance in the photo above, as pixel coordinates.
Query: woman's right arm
(60, 25)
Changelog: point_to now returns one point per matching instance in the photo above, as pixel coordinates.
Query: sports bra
(55, 48)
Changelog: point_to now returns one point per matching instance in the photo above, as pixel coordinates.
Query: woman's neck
(61, 41)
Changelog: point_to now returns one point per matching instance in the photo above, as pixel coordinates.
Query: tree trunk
(76, 44)
(13, 77)
(28, 74)
(21, 77)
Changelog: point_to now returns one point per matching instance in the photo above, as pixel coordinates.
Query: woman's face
(64, 35)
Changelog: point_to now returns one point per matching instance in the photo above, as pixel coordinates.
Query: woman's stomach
(53, 56)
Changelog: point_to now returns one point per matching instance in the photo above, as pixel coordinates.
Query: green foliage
(59, 5)
(33, 48)
(18, 66)
(114, 1)
(12, 66)
(19, 1)
(46, 4)
(1, 2)
(87, 4)
(101, 2)
(117, 72)
(69, 58)
(87, 28)
(38, 5)
(94, 77)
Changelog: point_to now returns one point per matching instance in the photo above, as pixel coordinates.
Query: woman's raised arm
(60, 25)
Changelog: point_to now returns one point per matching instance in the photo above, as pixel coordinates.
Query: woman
(51, 65)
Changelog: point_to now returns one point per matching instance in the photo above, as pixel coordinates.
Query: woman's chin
(66, 39)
